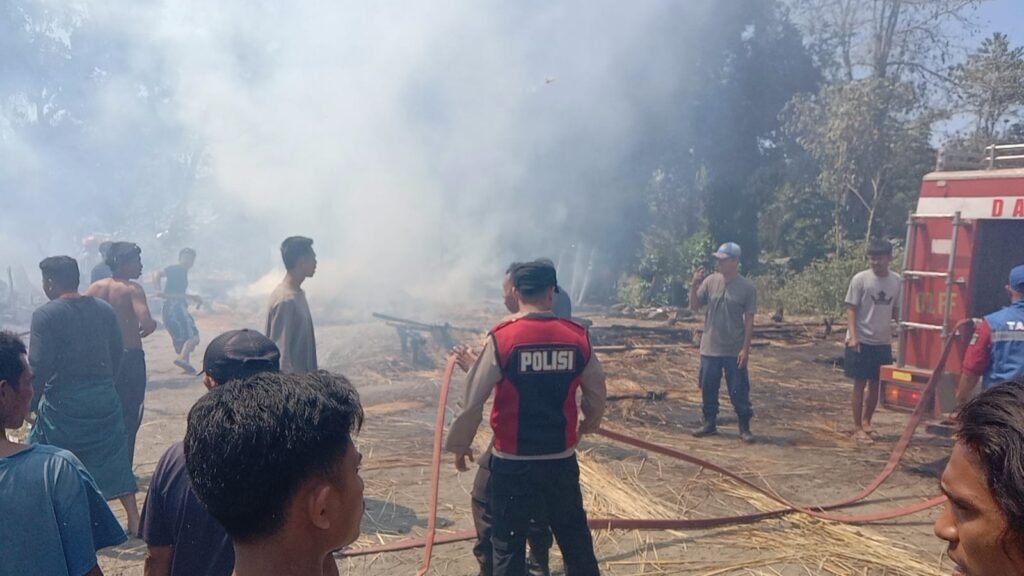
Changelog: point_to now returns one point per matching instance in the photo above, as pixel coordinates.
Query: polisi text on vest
(563, 360)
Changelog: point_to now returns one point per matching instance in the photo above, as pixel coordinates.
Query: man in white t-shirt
(872, 302)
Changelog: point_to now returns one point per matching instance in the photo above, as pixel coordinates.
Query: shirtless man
(129, 302)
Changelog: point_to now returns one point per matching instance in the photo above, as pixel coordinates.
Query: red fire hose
(818, 511)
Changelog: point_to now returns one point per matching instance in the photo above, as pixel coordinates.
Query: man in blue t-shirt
(183, 539)
(52, 515)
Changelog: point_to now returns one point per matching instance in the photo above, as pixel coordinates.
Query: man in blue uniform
(996, 353)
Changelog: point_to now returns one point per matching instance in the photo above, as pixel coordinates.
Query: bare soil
(803, 451)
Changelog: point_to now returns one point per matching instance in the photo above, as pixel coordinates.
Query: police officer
(534, 364)
(996, 353)
(539, 536)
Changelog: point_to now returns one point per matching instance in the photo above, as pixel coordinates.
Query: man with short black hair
(182, 538)
(535, 364)
(53, 515)
(996, 353)
(289, 322)
(128, 300)
(76, 351)
(731, 302)
(177, 320)
(272, 460)
(872, 302)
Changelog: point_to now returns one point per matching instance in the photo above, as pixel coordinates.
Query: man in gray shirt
(872, 301)
(731, 302)
(289, 322)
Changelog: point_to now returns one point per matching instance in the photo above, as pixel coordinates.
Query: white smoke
(421, 145)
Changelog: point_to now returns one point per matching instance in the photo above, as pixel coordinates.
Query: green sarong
(86, 419)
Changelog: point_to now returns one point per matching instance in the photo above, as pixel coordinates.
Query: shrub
(820, 288)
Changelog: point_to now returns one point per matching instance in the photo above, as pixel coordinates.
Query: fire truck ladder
(916, 275)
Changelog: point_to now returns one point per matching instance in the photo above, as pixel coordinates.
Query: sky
(1005, 16)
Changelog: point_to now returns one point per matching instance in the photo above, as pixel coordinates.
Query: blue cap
(728, 250)
(1017, 278)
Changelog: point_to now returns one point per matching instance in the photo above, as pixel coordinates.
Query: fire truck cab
(962, 240)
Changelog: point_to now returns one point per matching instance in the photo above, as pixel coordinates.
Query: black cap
(239, 354)
(534, 276)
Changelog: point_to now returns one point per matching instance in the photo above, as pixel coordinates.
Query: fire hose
(822, 511)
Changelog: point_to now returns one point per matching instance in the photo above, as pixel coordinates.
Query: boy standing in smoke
(289, 322)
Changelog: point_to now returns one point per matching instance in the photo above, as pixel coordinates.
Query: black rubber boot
(537, 563)
(709, 428)
(745, 433)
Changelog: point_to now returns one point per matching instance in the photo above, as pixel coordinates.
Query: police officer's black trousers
(538, 536)
(525, 489)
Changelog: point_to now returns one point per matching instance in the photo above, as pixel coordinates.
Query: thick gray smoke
(422, 145)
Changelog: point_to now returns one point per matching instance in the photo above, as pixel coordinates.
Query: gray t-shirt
(876, 299)
(290, 326)
(74, 340)
(724, 328)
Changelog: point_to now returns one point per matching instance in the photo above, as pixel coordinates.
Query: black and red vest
(541, 360)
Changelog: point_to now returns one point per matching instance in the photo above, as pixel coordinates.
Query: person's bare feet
(868, 429)
(863, 437)
(131, 509)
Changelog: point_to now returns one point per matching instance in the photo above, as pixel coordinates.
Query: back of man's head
(120, 253)
(252, 445)
(12, 347)
(62, 272)
(239, 354)
(1016, 281)
(534, 279)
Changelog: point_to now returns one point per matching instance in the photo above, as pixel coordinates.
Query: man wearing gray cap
(731, 302)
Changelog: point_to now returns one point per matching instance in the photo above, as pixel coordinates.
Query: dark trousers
(539, 535)
(131, 389)
(525, 489)
(736, 380)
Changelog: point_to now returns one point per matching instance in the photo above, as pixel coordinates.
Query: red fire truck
(962, 240)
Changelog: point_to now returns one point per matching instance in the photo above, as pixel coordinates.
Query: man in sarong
(129, 302)
(179, 323)
(75, 352)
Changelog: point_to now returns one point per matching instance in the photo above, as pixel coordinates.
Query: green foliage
(865, 135)
(665, 269)
(633, 290)
(818, 289)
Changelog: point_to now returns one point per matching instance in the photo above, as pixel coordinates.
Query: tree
(899, 39)
(990, 85)
(867, 128)
(863, 134)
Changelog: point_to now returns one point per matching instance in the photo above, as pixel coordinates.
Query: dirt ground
(803, 451)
